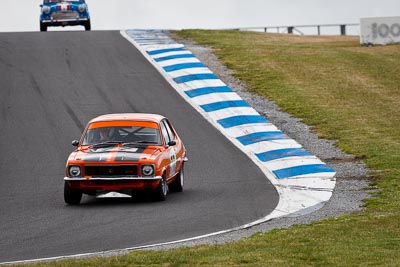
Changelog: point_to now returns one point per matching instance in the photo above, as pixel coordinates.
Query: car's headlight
(46, 9)
(82, 8)
(147, 170)
(74, 171)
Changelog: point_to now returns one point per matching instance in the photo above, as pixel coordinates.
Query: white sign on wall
(380, 30)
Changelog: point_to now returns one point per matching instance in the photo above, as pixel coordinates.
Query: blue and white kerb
(303, 181)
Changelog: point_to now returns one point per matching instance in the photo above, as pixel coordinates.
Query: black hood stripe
(120, 154)
(125, 155)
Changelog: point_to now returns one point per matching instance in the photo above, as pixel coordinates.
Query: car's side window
(169, 130)
(164, 133)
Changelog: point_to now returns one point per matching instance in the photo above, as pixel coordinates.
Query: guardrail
(295, 28)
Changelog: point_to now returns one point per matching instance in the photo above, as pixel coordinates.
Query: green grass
(348, 93)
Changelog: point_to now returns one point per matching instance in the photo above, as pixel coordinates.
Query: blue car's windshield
(58, 1)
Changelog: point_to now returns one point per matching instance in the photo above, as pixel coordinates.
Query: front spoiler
(81, 179)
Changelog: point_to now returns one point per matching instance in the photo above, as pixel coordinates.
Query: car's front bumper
(152, 178)
(113, 183)
(64, 22)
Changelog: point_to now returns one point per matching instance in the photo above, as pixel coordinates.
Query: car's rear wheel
(87, 25)
(43, 27)
(72, 196)
(177, 185)
(161, 192)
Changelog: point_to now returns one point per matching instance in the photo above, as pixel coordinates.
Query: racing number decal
(172, 165)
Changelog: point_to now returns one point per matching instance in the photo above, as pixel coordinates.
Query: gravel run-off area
(351, 176)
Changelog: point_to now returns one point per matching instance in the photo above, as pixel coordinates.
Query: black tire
(43, 28)
(160, 194)
(87, 25)
(177, 185)
(72, 196)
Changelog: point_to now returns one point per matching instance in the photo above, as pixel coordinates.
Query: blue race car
(64, 13)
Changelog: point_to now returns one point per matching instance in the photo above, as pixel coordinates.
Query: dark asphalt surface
(51, 85)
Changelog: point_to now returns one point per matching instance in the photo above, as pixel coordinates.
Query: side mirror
(172, 143)
(75, 143)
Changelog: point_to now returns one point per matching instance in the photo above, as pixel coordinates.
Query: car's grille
(65, 15)
(111, 171)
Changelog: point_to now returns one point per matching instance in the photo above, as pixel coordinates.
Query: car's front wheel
(72, 196)
(43, 27)
(161, 192)
(177, 185)
(87, 25)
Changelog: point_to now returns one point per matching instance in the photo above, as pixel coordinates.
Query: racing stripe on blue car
(286, 164)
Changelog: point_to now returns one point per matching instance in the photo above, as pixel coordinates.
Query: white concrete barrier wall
(380, 31)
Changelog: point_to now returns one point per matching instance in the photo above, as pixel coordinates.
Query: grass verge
(347, 92)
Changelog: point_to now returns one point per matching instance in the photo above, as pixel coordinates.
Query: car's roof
(129, 117)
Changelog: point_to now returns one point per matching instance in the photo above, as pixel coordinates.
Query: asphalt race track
(51, 85)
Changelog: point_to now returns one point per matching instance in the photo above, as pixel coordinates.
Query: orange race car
(123, 153)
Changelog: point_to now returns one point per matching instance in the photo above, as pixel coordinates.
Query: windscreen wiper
(137, 143)
(106, 144)
(145, 142)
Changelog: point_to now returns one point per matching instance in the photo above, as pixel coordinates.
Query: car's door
(170, 149)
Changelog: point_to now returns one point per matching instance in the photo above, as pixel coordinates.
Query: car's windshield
(58, 1)
(122, 134)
